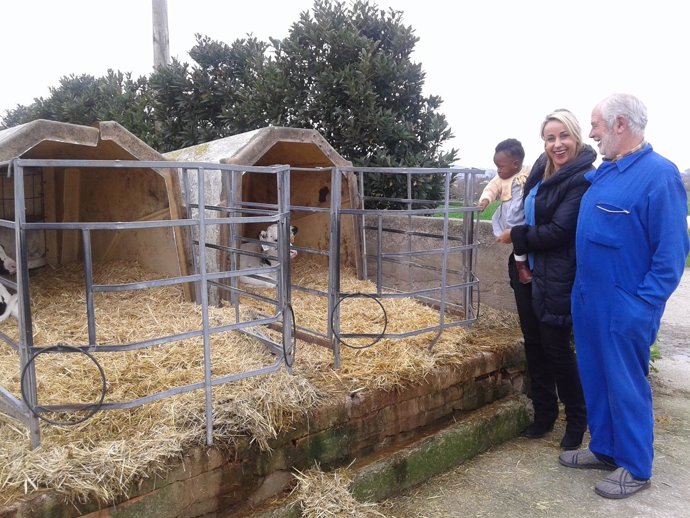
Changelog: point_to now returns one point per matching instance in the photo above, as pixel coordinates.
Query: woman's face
(559, 143)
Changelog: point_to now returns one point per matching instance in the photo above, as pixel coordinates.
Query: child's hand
(505, 237)
(482, 204)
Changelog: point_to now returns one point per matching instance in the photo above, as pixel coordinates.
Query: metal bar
(9, 341)
(431, 252)
(444, 261)
(410, 195)
(303, 208)
(88, 280)
(116, 225)
(415, 233)
(284, 277)
(191, 229)
(255, 206)
(469, 238)
(415, 293)
(124, 405)
(333, 323)
(204, 309)
(235, 198)
(362, 229)
(156, 283)
(134, 346)
(398, 170)
(24, 299)
(402, 257)
(13, 407)
(312, 291)
(408, 334)
(379, 254)
(8, 283)
(145, 164)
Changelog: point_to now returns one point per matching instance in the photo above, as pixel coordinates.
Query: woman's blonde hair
(569, 120)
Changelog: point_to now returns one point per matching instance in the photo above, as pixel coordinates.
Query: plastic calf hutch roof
(310, 158)
(81, 194)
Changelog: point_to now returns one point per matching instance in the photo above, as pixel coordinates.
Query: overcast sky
(499, 65)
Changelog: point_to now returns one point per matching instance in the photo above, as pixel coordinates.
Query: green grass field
(489, 211)
(486, 215)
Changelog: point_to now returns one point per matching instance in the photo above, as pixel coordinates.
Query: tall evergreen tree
(195, 104)
(347, 72)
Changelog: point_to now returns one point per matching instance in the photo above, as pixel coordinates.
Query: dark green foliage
(85, 99)
(348, 73)
(344, 71)
(415, 189)
(210, 100)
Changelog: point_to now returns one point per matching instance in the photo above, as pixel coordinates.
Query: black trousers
(551, 362)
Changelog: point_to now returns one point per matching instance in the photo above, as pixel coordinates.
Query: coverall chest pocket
(612, 220)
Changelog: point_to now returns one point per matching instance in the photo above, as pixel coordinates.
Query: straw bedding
(103, 457)
(326, 495)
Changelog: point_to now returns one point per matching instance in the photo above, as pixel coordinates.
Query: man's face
(605, 137)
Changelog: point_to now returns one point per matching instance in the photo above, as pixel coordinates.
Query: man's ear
(621, 123)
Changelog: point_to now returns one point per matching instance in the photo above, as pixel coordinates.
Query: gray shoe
(584, 459)
(620, 484)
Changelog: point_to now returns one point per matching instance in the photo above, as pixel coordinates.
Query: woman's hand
(505, 237)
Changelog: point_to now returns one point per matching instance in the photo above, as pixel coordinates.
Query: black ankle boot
(537, 430)
(572, 440)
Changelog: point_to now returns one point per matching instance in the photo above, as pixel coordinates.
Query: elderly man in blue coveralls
(631, 246)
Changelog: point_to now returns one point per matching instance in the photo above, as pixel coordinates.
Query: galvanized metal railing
(27, 409)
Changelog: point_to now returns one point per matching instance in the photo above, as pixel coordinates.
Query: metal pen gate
(438, 268)
(200, 216)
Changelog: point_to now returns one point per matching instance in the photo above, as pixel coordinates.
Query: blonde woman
(552, 195)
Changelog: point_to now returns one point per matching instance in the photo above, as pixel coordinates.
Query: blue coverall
(631, 246)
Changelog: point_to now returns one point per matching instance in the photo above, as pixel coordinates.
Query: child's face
(506, 165)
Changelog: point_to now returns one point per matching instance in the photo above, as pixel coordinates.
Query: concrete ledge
(490, 425)
(430, 456)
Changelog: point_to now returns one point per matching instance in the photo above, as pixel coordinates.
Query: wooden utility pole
(161, 41)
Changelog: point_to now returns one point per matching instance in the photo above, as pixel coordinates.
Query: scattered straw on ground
(103, 457)
(326, 495)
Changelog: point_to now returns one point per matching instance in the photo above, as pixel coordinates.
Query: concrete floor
(522, 477)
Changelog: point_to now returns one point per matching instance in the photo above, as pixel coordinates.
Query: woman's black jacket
(552, 239)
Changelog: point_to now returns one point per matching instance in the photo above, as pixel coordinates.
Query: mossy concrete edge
(438, 453)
